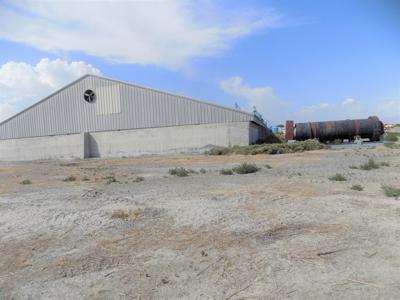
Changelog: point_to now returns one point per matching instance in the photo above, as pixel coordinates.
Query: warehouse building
(100, 117)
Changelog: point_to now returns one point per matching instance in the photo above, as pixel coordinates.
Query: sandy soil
(282, 233)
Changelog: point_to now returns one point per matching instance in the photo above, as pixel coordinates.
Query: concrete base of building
(47, 147)
(125, 143)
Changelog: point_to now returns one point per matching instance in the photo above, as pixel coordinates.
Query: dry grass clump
(337, 177)
(180, 172)
(391, 191)
(357, 187)
(392, 136)
(245, 168)
(226, 172)
(69, 178)
(110, 179)
(138, 179)
(219, 151)
(268, 148)
(371, 164)
(126, 214)
(392, 145)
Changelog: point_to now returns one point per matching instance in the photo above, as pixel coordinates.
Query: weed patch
(226, 172)
(138, 179)
(357, 187)
(371, 164)
(110, 179)
(246, 168)
(392, 136)
(392, 145)
(69, 179)
(391, 191)
(268, 148)
(179, 172)
(337, 177)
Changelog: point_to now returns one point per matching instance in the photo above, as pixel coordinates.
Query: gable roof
(122, 82)
(73, 91)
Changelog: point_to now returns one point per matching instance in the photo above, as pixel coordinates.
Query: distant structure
(100, 117)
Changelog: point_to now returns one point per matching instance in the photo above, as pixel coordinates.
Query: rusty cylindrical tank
(371, 128)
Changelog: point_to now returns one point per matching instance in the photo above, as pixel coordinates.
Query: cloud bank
(21, 84)
(163, 33)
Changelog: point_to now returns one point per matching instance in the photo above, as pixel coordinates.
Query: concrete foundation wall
(107, 144)
(166, 139)
(49, 147)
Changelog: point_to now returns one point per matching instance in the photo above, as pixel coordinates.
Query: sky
(302, 60)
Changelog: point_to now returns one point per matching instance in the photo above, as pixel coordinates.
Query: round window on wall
(89, 96)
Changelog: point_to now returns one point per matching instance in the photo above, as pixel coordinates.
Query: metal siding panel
(66, 112)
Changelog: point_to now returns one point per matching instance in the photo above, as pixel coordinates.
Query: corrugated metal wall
(121, 106)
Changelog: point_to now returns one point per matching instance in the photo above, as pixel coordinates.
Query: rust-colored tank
(371, 128)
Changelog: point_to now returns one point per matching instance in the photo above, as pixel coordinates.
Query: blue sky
(301, 60)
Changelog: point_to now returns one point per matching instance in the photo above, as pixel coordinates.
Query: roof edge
(44, 99)
(171, 94)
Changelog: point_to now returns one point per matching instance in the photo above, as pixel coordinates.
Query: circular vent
(89, 96)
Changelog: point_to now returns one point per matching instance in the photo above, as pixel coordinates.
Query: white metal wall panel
(120, 106)
(108, 100)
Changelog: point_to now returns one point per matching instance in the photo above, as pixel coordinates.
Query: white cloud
(349, 108)
(22, 84)
(263, 98)
(278, 111)
(166, 33)
(348, 101)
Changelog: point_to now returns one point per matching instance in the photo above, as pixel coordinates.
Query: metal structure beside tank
(371, 128)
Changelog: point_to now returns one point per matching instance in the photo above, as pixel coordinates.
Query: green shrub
(180, 172)
(371, 164)
(69, 178)
(385, 164)
(392, 136)
(85, 178)
(268, 166)
(337, 177)
(391, 191)
(245, 168)
(203, 171)
(353, 167)
(26, 181)
(226, 172)
(357, 187)
(279, 148)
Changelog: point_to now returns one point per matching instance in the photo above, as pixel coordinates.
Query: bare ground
(282, 233)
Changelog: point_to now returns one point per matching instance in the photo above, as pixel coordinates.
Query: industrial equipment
(371, 128)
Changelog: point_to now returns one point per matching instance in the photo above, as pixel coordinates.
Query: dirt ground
(285, 232)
